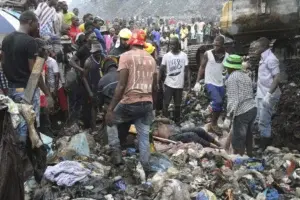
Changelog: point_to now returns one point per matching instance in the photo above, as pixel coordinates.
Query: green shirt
(68, 18)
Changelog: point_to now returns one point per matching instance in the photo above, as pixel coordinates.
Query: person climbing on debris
(212, 67)
(121, 45)
(109, 81)
(241, 106)
(22, 46)
(106, 90)
(174, 65)
(268, 91)
(132, 100)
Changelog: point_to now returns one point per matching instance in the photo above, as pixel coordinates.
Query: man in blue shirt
(156, 37)
(98, 22)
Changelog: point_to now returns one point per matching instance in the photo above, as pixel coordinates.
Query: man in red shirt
(74, 28)
(133, 96)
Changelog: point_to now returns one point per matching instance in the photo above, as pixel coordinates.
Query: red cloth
(73, 32)
(62, 99)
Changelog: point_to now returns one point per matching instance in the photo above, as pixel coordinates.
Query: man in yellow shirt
(184, 32)
(86, 17)
(67, 15)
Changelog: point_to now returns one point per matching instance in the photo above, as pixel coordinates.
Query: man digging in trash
(240, 105)
(106, 89)
(132, 100)
(211, 69)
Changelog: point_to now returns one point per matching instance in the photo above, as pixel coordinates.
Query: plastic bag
(71, 79)
(271, 194)
(48, 142)
(173, 190)
(80, 145)
(159, 162)
(206, 195)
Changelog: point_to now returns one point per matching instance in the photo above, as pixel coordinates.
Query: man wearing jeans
(132, 99)
(268, 92)
(19, 54)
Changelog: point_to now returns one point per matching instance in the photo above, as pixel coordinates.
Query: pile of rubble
(193, 108)
(286, 124)
(79, 168)
(112, 8)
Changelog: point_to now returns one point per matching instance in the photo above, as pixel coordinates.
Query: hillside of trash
(209, 10)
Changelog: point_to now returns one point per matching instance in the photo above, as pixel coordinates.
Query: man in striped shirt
(241, 106)
(46, 14)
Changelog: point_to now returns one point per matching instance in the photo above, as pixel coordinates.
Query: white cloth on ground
(66, 173)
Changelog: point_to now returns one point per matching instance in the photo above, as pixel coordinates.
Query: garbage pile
(80, 169)
(193, 108)
(286, 124)
(112, 8)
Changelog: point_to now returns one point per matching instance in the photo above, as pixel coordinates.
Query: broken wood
(33, 80)
(85, 82)
(164, 140)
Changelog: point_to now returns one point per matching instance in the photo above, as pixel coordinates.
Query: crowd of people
(129, 71)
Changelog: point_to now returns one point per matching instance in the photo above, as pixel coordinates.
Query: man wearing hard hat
(121, 44)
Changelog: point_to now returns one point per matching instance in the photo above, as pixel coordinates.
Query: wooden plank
(33, 80)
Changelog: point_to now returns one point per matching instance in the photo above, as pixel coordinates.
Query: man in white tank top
(211, 69)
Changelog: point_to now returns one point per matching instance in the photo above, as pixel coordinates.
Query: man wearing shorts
(212, 68)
